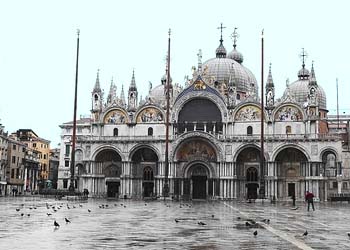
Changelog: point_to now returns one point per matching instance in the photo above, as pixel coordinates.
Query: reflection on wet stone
(130, 224)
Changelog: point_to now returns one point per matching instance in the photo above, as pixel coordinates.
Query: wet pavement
(128, 224)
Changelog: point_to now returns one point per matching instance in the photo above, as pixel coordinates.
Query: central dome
(226, 70)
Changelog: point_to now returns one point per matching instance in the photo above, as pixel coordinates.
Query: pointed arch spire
(122, 97)
(112, 92)
(97, 87)
(133, 82)
(313, 80)
(269, 82)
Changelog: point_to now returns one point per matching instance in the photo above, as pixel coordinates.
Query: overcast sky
(38, 49)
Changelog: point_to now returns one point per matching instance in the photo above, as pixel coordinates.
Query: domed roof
(235, 55)
(225, 70)
(300, 91)
(157, 94)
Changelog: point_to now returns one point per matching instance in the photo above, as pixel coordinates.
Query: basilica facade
(214, 138)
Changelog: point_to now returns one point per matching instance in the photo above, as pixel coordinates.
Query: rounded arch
(328, 150)
(290, 152)
(215, 99)
(143, 152)
(288, 112)
(210, 139)
(248, 112)
(190, 168)
(149, 114)
(115, 116)
(106, 147)
(196, 148)
(108, 155)
(247, 147)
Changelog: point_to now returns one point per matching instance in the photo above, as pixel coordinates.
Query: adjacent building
(214, 149)
(3, 159)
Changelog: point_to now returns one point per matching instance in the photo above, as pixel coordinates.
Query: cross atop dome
(303, 56)
(234, 37)
(221, 28)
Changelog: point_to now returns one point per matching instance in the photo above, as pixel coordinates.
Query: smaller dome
(163, 79)
(221, 51)
(235, 55)
(157, 94)
(303, 73)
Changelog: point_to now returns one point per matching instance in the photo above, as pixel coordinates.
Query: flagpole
(262, 172)
(166, 179)
(72, 163)
(337, 106)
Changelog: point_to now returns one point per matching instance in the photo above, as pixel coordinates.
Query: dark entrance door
(113, 189)
(148, 189)
(199, 185)
(291, 189)
(252, 190)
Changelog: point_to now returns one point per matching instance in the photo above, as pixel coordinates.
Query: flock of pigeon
(249, 223)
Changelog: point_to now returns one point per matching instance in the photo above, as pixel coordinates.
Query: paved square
(128, 224)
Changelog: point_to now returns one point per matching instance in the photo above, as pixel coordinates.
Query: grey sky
(38, 43)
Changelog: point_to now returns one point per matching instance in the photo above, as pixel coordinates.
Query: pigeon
(67, 221)
(28, 215)
(266, 221)
(56, 224)
(349, 234)
(48, 214)
(201, 223)
(305, 233)
(176, 220)
(238, 218)
(255, 233)
(80, 205)
(294, 208)
(17, 209)
(89, 210)
(247, 224)
(212, 216)
(22, 214)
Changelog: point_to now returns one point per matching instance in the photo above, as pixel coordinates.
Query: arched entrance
(248, 172)
(144, 167)
(252, 183)
(199, 177)
(292, 167)
(109, 163)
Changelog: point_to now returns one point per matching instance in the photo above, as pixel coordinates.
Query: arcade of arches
(196, 173)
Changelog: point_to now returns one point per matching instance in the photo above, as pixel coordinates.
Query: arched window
(115, 132)
(148, 174)
(249, 130)
(96, 97)
(238, 97)
(288, 129)
(252, 174)
(150, 131)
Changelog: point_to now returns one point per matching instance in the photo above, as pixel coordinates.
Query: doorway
(291, 189)
(199, 184)
(147, 189)
(252, 190)
(113, 189)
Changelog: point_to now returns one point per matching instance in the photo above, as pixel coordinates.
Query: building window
(65, 183)
(13, 159)
(345, 185)
(44, 156)
(288, 130)
(34, 145)
(150, 131)
(249, 130)
(12, 173)
(67, 150)
(80, 130)
(115, 132)
(66, 163)
(148, 174)
(238, 97)
(14, 146)
(335, 184)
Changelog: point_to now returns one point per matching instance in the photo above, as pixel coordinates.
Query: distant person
(309, 197)
(293, 199)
